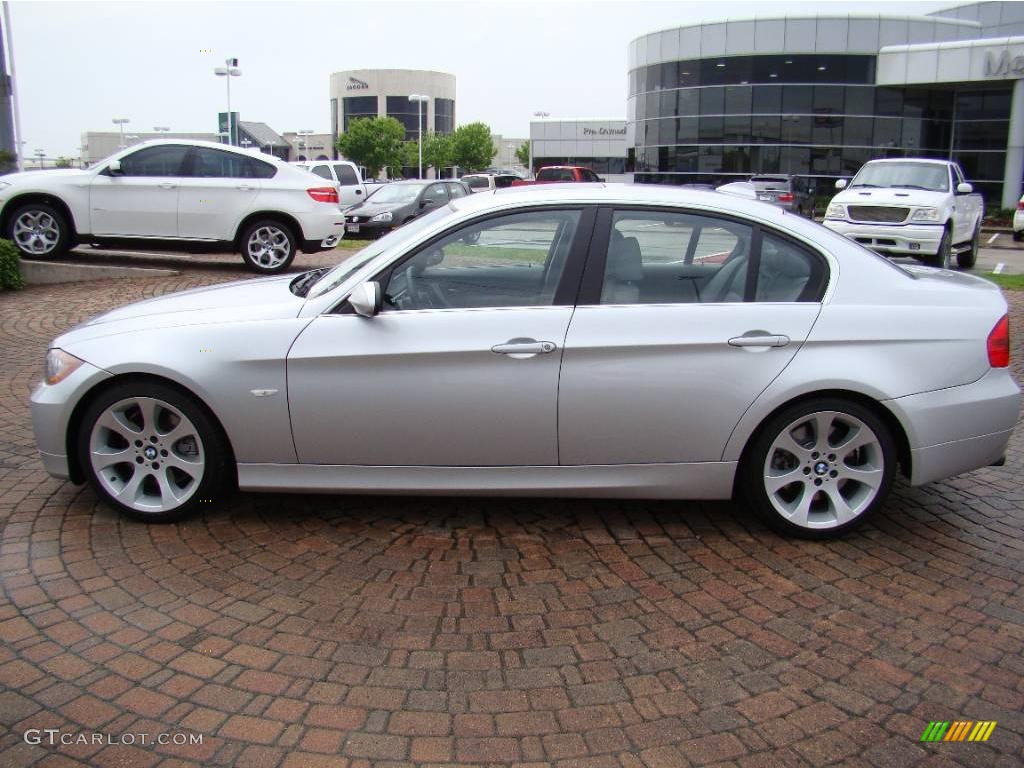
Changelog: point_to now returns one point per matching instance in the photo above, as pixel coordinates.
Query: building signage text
(356, 85)
(604, 131)
(1003, 64)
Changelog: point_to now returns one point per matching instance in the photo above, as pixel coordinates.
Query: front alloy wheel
(38, 230)
(151, 452)
(821, 468)
(268, 247)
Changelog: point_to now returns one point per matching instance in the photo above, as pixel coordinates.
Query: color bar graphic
(958, 730)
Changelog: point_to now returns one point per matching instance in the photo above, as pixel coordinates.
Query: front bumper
(52, 407)
(959, 429)
(368, 228)
(904, 239)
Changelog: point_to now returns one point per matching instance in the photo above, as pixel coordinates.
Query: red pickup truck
(553, 174)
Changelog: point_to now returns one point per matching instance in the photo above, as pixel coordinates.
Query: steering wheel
(424, 294)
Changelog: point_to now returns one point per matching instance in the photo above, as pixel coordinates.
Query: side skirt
(705, 480)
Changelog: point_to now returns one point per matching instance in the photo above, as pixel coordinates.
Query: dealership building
(385, 93)
(819, 95)
(597, 143)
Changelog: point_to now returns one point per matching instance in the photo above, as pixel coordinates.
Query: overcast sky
(81, 64)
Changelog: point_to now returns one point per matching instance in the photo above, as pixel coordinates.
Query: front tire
(819, 468)
(151, 452)
(967, 259)
(268, 246)
(39, 231)
(943, 256)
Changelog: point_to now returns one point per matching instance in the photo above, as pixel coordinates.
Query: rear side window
(323, 172)
(456, 190)
(787, 272)
(155, 161)
(346, 176)
(476, 182)
(216, 164)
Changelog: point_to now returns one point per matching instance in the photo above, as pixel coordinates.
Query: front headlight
(386, 216)
(60, 365)
(926, 214)
(835, 211)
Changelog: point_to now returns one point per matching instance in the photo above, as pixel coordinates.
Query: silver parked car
(577, 340)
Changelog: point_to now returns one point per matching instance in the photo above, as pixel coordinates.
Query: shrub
(10, 275)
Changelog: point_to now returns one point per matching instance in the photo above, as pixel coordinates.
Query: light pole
(304, 141)
(40, 154)
(540, 114)
(161, 129)
(121, 122)
(229, 70)
(419, 99)
(510, 147)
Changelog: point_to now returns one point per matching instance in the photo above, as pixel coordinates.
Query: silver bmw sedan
(576, 340)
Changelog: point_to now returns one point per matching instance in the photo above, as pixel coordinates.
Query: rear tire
(1018, 236)
(152, 453)
(966, 259)
(819, 468)
(268, 246)
(39, 231)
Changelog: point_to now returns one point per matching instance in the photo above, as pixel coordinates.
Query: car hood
(245, 300)
(370, 208)
(33, 176)
(890, 196)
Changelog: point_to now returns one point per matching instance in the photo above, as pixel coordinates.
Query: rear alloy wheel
(151, 452)
(39, 230)
(268, 247)
(966, 259)
(819, 468)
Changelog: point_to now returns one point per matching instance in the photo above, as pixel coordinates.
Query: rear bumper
(905, 239)
(321, 227)
(959, 429)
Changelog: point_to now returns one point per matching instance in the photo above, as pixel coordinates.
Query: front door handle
(167, 185)
(759, 339)
(246, 187)
(523, 348)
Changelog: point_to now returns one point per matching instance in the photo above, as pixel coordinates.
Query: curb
(50, 272)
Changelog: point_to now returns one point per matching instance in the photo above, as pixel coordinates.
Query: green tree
(472, 147)
(437, 150)
(62, 162)
(523, 153)
(373, 142)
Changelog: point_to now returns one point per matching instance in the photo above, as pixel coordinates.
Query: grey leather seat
(623, 271)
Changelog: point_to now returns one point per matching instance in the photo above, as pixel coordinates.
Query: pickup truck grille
(883, 214)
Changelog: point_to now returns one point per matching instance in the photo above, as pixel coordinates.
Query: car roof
(929, 160)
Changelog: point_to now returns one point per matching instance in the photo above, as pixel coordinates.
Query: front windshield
(350, 266)
(397, 193)
(929, 176)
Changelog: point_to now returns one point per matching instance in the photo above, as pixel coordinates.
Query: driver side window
(510, 261)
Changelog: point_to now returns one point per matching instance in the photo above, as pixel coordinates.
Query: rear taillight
(785, 197)
(1020, 205)
(999, 344)
(323, 194)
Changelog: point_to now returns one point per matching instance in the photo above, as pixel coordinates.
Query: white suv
(175, 195)
(343, 174)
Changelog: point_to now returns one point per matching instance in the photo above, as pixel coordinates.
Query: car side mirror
(367, 299)
(114, 168)
(840, 183)
(963, 188)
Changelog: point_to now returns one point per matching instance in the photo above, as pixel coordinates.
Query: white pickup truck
(910, 207)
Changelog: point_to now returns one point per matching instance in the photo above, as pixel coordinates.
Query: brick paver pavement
(333, 631)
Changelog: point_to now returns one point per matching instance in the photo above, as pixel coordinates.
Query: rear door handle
(521, 348)
(246, 187)
(759, 339)
(167, 185)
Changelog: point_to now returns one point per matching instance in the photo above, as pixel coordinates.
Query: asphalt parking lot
(349, 631)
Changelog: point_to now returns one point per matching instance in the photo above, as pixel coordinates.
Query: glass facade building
(806, 96)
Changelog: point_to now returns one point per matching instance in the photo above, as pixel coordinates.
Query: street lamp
(229, 70)
(419, 99)
(40, 154)
(121, 122)
(541, 115)
(161, 128)
(304, 141)
(510, 147)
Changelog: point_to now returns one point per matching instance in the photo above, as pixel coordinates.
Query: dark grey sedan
(399, 203)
